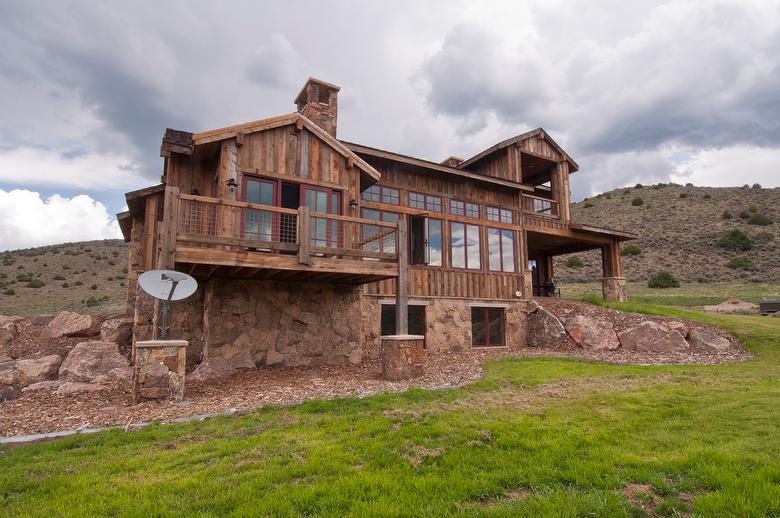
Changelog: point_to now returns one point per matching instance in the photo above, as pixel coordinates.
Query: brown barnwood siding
(539, 146)
(504, 164)
(450, 282)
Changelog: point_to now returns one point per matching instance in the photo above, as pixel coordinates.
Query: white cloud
(732, 166)
(95, 172)
(27, 220)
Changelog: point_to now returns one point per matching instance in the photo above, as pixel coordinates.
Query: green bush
(663, 279)
(636, 202)
(574, 262)
(736, 239)
(741, 262)
(638, 186)
(707, 196)
(726, 215)
(760, 219)
(756, 185)
(78, 283)
(608, 196)
(93, 287)
(36, 284)
(8, 261)
(683, 195)
(65, 285)
(9, 291)
(631, 249)
(587, 205)
(24, 277)
(92, 301)
(689, 184)
(744, 214)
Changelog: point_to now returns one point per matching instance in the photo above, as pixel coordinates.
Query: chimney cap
(302, 94)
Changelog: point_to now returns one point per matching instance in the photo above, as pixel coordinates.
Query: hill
(680, 227)
(88, 277)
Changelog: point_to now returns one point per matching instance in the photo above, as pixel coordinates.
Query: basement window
(487, 327)
(416, 316)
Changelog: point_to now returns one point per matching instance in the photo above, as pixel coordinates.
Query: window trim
(502, 215)
(427, 201)
(501, 246)
(466, 246)
(485, 310)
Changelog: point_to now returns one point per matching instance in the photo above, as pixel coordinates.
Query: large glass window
(501, 250)
(426, 241)
(464, 245)
(376, 238)
(425, 201)
(487, 327)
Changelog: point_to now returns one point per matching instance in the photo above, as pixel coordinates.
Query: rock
(680, 327)
(120, 374)
(8, 373)
(119, 330)
(8, 331)
(210, 369)
(9, 394)
(43, 385)
(544, 330)
(707, 339)
(242, 360)
(592, 333)
(653, 337)
(35, 370)
(70, 388)
(67, 323)
(732, 306)
(89, 361)
(5, 358)
(154, 375)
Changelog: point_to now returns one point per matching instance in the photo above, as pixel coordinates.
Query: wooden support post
(402, 288)
(167, 256)
(208, 297)
(304, 235)
(150, 233)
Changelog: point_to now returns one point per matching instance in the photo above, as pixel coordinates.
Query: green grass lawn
(690, 294)
(535, 437)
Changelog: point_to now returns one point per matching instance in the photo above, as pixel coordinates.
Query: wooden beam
(402, 288)
(167, 247)
(304, 237)
(208, 298)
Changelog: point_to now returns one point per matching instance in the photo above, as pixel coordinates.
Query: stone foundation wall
(447, 323)
(289, 324)
(614, 289)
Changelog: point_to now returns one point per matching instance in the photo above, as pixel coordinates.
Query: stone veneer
(614, 289)
(159, 370)
(289, 324)
(447, 321)
(402, 357)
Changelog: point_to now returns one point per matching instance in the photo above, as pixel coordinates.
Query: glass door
(324, 232)
(258, 225)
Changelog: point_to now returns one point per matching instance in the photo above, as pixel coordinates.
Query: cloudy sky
(635, 91)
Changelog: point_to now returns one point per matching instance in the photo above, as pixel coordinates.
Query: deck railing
(540, 206)
(241, 226)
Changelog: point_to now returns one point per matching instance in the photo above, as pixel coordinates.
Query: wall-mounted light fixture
(353, 204)
(232, 184)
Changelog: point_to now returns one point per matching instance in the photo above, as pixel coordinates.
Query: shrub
(574, 262)
(736, 239)
(3, 276)
(760, 219)
(756, 185)
(8, 261)
(59, 277)
(9, 291)
(707, 196)
(636, 202)
(65, 285)
(110, 279)
(764, 237)
(689, 184)
(683, 195)
(741, 262)
(93, 287)
(638, 186)
(744, 214)
(78, 283)
(746, 186)
(608, 196)
(36, 284)
(587, 205)
(726, 215)
(631, 249)
(663, 279)
(92, 301)
(627, 191)
(24, 277)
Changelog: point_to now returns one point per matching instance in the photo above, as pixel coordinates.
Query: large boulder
(71, 388)
(119, 330)
(708, 340)
(210, 369)
(92, 361)
(544, 329)
(43, 385)
(9, 394)
(8, 330)
(592, 332)
(25, 372)
(653, 337)
(68, 323)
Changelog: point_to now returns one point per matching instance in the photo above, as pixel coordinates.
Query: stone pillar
(402, 357)
(614, 289)
(528, 284)
(159, 370)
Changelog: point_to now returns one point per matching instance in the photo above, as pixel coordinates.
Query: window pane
(478, 331)
(495, 326)
(492, 213)
(368, 231)
(458, 240)
(416, 200)
(433, 203)
(472, 210)
(388, 242)
(434, 242)
(416, 320)
(472, 247)
(387, 326)
(390, 196)
(456, 207)
(494, 249)
(371, 194)
(508, 250)
(506, 216)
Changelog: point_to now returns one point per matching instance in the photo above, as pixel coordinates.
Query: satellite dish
(167, 284)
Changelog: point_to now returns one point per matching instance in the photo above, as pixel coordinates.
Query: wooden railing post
(401, 287)
(167, 256)
(304, 235)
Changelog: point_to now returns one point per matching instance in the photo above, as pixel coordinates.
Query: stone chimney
(318, 102)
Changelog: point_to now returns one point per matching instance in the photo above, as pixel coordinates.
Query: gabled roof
(284, 120)
(516, 139)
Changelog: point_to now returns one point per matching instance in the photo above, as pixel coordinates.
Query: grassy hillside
(88, 277)
(680, 227)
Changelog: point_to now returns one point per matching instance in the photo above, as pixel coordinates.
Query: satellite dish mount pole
(165, 309)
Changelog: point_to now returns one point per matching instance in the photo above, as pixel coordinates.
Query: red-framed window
(496, 214)
(382, 194)
(464, 208)
(487, 327)
(418, 200)
(501, 250)
(465, 246)
(381, 243)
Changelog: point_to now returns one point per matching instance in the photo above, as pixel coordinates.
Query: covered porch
(543, 244)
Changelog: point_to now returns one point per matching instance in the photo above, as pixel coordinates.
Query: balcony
(268, 242)
(538, 206)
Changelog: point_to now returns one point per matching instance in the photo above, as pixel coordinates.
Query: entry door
(324, 232)
(258, 224)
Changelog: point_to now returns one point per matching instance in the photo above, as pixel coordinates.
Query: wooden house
(308, 249)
